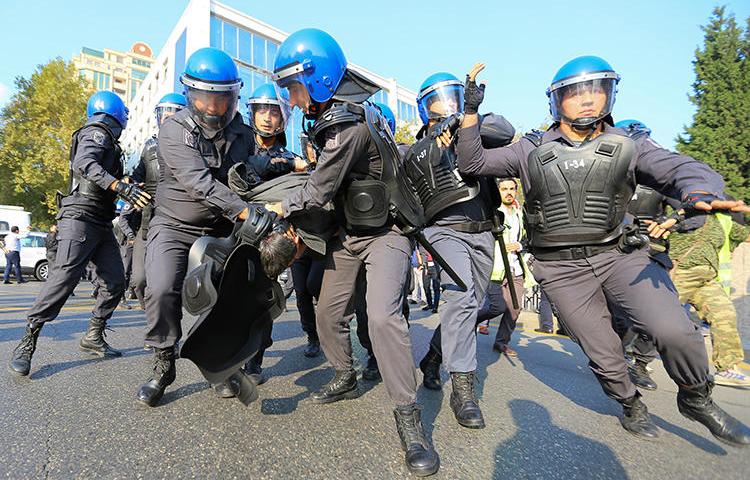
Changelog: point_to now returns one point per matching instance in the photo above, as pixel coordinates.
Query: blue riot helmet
(309, 65)
(579, 82)
(440, 96)
(169, 104)
(109, 103)
(632, 125)
(212, 87)
(269, 110)
(390, 118)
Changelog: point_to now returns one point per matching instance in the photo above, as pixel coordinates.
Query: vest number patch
(573, 164)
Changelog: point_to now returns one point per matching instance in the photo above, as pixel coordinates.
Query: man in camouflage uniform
(696, 259)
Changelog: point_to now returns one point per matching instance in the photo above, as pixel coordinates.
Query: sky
(651, 44)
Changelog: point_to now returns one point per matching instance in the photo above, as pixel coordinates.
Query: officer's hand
(707, 202)
(473, 93)
(131, 193)
(444, 139)
(660, 230)
(276, 208)
(300, 165)
(513, 247)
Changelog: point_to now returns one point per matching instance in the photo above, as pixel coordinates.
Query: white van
(11, 215)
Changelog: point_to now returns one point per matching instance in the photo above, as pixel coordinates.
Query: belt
(470, 227)
(572, 253)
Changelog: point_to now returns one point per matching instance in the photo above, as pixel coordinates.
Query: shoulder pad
(338, 113)
(535, 137)
(636, 133)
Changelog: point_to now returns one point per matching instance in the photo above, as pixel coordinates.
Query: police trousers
(580, 289)
(471, 255)
(81, 242)
(386, 260)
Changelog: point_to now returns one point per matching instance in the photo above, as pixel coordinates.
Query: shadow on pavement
(54, 368)
(182, 392)
(555, 452)
(311, 381)
(698, 441)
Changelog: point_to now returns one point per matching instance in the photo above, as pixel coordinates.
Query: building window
(245, 47)
(271, 48)
(142, 63)
(259, 52)
(137, 74)
(101, 81)
(230, 39)
(133, 89)
(215, 32)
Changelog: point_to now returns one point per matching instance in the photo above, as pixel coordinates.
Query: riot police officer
(147, 173)
(85, 229)
(357, 170)
(460, 229)
(196, 148)
(579, 176)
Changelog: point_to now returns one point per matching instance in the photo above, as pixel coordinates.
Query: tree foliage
(720, 132)
(35, 135)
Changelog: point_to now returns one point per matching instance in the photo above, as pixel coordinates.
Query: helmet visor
(291, 89)
(164, 111)
(269, 115)
(583, 101)
(212, 110)
(442, 101)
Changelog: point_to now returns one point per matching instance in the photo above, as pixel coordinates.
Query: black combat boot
(343, 386)
(640, 376)
(371, 371)
(20, 362)
(254, 372)
(93, 341)
(164, 374)
(421, 458)
(696, 404)
(635, 418)
(464, 400)
(229, 388)
(430, 366)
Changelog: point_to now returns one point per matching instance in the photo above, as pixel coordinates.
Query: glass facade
(381, 96)
(142, 63)
(101, 81)
(407, 112)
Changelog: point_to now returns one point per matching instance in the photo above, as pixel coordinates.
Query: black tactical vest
(151, 165)
(647, 204)
(579, 195)
(112, 163)
(383, 194)
(433, 173)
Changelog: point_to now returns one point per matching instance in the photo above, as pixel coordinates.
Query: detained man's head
(280, 249)
(508, 190)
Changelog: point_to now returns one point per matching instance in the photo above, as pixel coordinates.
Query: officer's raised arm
(473, 158)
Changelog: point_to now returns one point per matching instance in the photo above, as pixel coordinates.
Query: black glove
(132, 194)
(258, 224)
(450, 124)
(473, 96)
(692, 198)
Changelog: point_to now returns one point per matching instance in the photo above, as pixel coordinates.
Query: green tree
(720, 132)
(404, 133)
(35, 135)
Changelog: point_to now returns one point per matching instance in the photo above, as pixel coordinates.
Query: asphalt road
(76, 417)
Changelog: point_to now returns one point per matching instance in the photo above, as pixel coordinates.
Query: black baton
(419, 236)
(497, 231)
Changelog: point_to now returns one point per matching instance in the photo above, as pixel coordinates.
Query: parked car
(33, 256)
